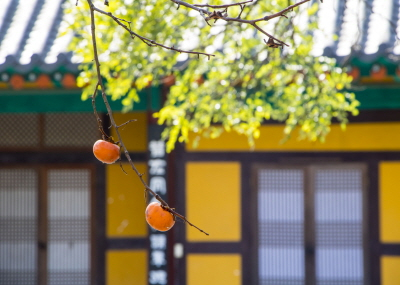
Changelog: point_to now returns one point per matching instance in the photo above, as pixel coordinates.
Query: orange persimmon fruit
(158, 218)
(105, 151)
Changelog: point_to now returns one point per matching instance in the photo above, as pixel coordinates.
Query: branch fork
(217, 15)
(271, 43)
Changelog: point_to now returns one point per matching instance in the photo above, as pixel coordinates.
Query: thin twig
(267, 18)
(110, 114)
(172, 211)
(241, 11)
(127, 122)
(147, 41)
(120, 165)
(223, 6)
(270, 36)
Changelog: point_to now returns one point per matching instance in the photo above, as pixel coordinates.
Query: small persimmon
(105, 151)
(158, 218)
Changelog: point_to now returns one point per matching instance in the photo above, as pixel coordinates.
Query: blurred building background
(283, 214)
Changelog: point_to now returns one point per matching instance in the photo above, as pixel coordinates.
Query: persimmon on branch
(207, 15)
(100, 83)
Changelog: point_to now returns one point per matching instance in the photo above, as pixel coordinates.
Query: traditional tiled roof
(31, 51)
(366, 29)
(362, 34)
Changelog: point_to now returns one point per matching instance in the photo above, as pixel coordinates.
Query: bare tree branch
(207, 16)
(224, 16)
(147, 41)
(116, 127)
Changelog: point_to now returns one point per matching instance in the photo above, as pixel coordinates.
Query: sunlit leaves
(244, 85)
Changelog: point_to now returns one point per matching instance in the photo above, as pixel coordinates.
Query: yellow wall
(357, 137)
(213, 201)
(133, 134)
(126, 206)
(125, 202)
(389, 202)
(126, 267)
(390, 270)
(214, 269)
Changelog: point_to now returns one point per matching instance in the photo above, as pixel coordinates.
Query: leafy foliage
(244, 85)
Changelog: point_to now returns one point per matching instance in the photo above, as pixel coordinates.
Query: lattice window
(43, 131)
(338, 222)
(280, 217)
(334, 224)
(19, 131)
(68, 227)
(70, 130)
(18, 226)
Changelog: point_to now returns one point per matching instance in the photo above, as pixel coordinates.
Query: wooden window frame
(96, 220)
(309, 171)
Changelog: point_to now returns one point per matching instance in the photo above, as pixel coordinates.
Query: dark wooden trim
(253, 216)
(372, 116)
(42, 226)
(213, 247)
(171, 238)
(390, 249)
(249, 240)
(126, 243)
(309, 223)
(366, 222)
(179, 228)
(98, 225)
(373, 261)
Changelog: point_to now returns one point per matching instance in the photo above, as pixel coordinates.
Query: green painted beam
(37, 101)
(378, 98)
